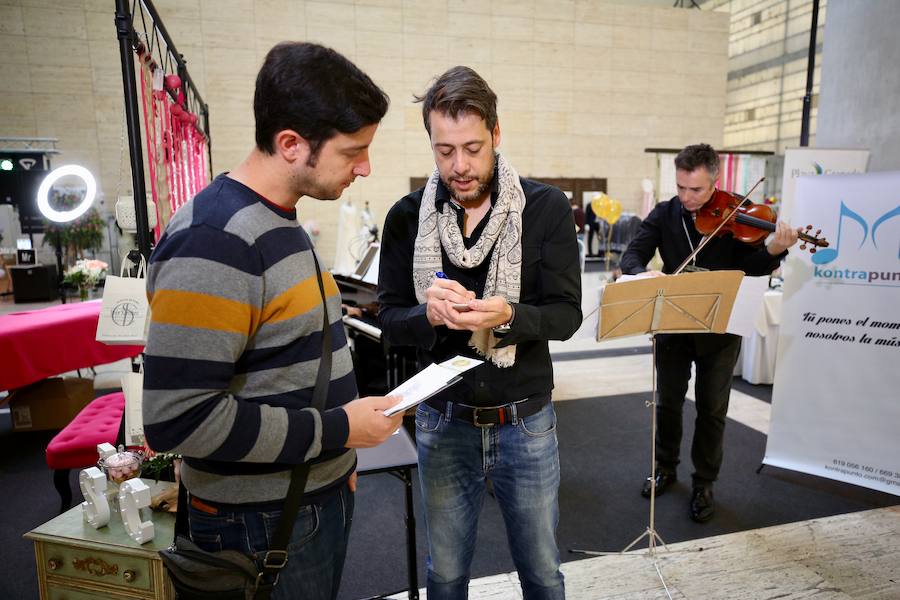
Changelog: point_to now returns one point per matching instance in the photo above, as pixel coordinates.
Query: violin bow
(707, 238)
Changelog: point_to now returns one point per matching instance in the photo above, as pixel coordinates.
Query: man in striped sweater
(236, 333)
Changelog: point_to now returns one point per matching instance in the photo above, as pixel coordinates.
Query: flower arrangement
(161, 466)
(85, 275)
(84, 233)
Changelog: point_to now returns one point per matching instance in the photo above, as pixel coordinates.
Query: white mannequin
(348, 225)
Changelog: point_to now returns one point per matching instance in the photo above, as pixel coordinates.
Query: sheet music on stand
(745, 312)
(686, 303)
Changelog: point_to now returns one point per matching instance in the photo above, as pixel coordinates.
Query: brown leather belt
(203, 506)
(494, 415)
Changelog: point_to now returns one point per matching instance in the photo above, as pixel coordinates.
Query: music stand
(698, 302)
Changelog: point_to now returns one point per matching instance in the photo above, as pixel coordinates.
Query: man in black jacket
(670, 229)
(483, 263)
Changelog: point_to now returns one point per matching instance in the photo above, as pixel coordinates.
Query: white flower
(86, 272)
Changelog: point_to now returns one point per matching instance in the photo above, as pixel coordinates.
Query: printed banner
(799, 162)
(835, 403)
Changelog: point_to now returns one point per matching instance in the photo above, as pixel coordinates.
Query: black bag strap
(300, 472)
(298, 476)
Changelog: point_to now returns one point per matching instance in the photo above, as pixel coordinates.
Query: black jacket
(549, 307)
(668, 227)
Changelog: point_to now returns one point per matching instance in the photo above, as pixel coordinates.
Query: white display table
(757, 361)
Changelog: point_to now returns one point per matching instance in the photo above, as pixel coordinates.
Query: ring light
(64, 216)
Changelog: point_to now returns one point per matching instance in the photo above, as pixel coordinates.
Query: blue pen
(462, 307)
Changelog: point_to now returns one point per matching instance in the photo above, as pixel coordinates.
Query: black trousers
(715, 356)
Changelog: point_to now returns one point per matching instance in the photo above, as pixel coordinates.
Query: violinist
(670, 228)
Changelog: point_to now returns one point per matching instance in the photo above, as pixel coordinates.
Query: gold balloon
(613, 212)
(599, 205)
(606, 208)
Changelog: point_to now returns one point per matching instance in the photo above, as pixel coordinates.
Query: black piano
(379, 368)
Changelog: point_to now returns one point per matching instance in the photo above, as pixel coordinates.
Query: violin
(750, 223)
(747, 222)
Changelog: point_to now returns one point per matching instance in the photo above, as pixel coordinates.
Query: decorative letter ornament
(134, 495)
(95, 506)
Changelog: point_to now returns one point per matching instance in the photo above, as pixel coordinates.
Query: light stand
(65, 216)
(59, 267)
(113, 247)
(608, 242)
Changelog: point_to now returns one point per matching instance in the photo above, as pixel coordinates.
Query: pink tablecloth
(37, 344)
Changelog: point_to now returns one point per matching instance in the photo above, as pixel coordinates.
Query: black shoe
(703, 507)
(664, 479)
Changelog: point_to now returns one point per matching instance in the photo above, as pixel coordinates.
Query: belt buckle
(476, 422)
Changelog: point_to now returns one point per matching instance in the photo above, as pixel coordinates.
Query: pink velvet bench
(75, 447)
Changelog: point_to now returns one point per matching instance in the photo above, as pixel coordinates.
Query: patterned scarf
(503, 230)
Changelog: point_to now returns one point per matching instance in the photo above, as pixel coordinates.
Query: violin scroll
(814, 240)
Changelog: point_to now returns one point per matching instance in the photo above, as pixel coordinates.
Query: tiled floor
(7, 305)
(848, 556)
(855, 555)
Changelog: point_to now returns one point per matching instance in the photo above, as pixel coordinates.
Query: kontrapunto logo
(862, 253)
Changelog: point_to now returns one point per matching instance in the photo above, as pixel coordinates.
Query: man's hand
(785, 237)
(368, 425)
(351, 483)
(352, 311)
(485, 314)
(442, 294)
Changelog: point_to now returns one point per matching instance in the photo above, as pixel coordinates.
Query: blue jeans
(522, 460)
(315, 553)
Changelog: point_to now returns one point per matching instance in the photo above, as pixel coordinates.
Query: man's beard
(484, 184)
(307, 185)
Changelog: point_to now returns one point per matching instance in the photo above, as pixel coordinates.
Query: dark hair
(458, 91)
(698, 155)
(316, 92)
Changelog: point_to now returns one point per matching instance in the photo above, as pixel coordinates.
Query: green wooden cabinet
(77, 562)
